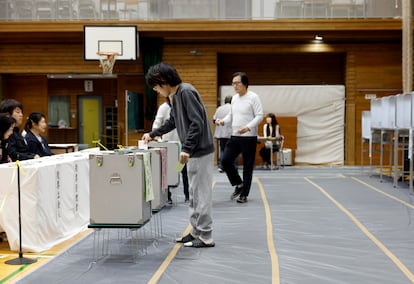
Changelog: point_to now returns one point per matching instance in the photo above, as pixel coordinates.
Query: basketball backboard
(120, 39)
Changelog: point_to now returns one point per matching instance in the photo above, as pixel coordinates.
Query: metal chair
(278, 150)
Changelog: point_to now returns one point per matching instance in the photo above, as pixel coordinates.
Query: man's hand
(146, 137)
(219, 122)
(244, 129)
(184, 157)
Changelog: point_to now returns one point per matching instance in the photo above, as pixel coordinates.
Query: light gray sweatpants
(200, 178)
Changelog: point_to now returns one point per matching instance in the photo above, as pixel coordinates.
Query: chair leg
(282, 158)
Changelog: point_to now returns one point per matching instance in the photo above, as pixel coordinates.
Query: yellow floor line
(269, 232)
(170, 257)
(167, 261)
(384, 193)
(381, 246)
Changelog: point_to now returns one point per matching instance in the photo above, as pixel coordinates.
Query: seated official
(36, 125)
(270, 129)
(16, 146)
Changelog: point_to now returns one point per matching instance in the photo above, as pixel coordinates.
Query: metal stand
(20, 260)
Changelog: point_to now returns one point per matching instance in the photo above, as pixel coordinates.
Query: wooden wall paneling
(379, 67)
(31, 91)
(378, 71)
(284, 68)
(349, 123)
(198, 70)
(53, 58)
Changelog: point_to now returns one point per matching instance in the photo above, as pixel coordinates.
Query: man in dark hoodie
(189, 117)
(16, 147)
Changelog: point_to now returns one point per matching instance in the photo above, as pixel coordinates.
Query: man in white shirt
(163, 113)
(245, 116)
(222, 133)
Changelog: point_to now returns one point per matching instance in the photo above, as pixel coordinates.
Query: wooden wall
(363, 68)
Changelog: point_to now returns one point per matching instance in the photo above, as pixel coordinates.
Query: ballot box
(158, 170)
(173, 156)
(118, 188)
(159, 179)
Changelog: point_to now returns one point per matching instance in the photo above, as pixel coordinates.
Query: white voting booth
(376, 114)
(366, 136)
(173, 153)
(403, 114)
(392, 116)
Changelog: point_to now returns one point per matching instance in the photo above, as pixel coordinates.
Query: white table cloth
(54, 200)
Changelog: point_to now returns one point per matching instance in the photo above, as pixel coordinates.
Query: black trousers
(247, 147)
(184, 175)
(222, 145)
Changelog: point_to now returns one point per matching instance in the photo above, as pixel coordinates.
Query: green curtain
(152, 54)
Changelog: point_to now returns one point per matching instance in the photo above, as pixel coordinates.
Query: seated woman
(7, 124)
(16, 146)
(270, 129)
(36, 125)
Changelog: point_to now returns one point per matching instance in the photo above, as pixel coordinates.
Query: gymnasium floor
(301, 225)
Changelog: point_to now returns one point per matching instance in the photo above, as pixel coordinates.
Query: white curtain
(58, 110)
(320, 110)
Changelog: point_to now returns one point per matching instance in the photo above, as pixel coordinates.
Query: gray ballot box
(160, 193)
(117, 189)
(173, 156)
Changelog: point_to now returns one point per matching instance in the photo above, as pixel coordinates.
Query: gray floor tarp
(328, 225)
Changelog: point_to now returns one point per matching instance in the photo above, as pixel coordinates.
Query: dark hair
(161, 74)
(5, 122)
(227, 99)
(34, 117)
(274, 121)
(9, 105)
(243, 77)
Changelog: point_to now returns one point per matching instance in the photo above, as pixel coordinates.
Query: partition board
(320, 110)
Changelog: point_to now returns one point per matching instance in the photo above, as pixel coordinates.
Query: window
(58, 111)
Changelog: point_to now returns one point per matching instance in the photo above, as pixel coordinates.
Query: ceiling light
(319, 38)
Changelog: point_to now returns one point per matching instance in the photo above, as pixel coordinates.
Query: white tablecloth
(54, 200)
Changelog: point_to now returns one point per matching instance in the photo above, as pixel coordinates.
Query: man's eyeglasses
(235, 83)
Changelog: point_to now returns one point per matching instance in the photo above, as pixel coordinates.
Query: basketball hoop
(107, 60)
